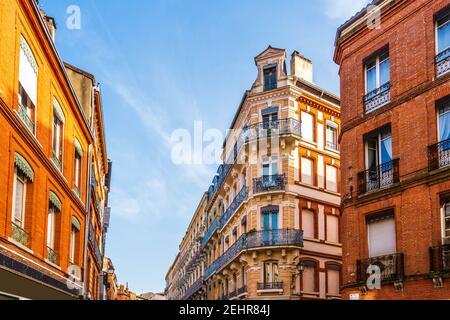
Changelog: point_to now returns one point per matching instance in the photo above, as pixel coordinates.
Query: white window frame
(271, 272)
(270, 161)
(437, 26)
(445, 238)
(51, 228)
(77, 170)
(334, 126)
(73, 237)
(378, 63)
(24, 181)
(313, 126)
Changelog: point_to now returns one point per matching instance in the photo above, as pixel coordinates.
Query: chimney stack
(301, 67)
(50, 23)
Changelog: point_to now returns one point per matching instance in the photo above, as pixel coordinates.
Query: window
(53, 218)
(270, 169)
(307, 126)
(58, 135)
(443, 34)
(446, 222)
(74, 238)
(271, 273)
(309, 277)
(333, 228)
(444, 122)
(331, 178)
(307, 171)
(270, 77)
(379, 148)
(77, 168)
(377, 72)
(333, 279)
(28, 74)
(308, 225)
(20, 189)
(332, 135)
(269, 218)
(381, 234)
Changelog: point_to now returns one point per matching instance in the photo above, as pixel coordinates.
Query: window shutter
(308, 224)
(331, 178)
(307, 126)
(333, 228)
(382, 237)
(333, 282)
(307, 171)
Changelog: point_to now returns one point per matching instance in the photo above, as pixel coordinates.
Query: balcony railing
(225, 297)
(379, 177)
(212, 228)
(56, 161)
(52, 256)
(443, 62)
(391, 267)
(26, 119)
(270, 285)
(196, 286)
(240, 198)
(232, 294)
(269, 183)
(242, 290)
(377, 98)
(20, 235)
(440, 259)
(439, 155)
(251, 240)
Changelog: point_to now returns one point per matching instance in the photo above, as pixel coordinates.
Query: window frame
(438, 25)
(376, 59)
(24, 181)
(270, 86)
(334, 126)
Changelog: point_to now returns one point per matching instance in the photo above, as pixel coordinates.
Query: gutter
(87, 222)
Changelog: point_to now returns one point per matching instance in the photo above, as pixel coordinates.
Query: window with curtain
(377, 71)
(381, 235)
(308, 225)
(444, 122)
(307, 126)
(331, 176)
(307, 171)
(443, 33)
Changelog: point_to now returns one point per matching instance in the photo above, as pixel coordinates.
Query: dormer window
(270, 77)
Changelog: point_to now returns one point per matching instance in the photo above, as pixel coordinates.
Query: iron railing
(269, 183)
(379, 177)
(242, 290)
(52, 256)
(56, 161)
(233, 294)
(332, 145)
(439, 155)
(196, 286)
(391, 267)
(378, 97)
(270, 285)
(238, 200)
(251, 240)
(443, 62)
(26, 119)
(440, 259)
(20, 235)
(212, 228)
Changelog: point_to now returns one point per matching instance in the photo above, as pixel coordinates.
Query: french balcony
(209, 233)
(270, 286)
(391, 267)
(238, 200)
(443, 62)
(20, 235)
(379, 177)
(377, 98)
(26, 119)
(440, 259)
(439, 155)
(52, 256)
(257, 239)
(269, 183)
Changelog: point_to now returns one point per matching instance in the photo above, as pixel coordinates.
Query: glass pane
(371, 79)
(18, 202)
(274, 168)
(267, 272)
(275, 273)
(266, 221)
(385, 71)
(444, 125)
(386, 149)
(444, 37)
(372, 158)
(274, 221)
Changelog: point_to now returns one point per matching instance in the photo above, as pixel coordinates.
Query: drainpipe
(87, 221)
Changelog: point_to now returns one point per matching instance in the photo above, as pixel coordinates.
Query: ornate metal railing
(378, 97)
(56, 161)
(20, 235)
(212, 228)
(332, 145)
(242, 290)
(440, 258)
(91, 235)
(439, 155)
(270, 285)
(52, 256)
(225, 297)
(196, 286)
(443, 62)
(194, 260)
(379, 177)
(269, 183)
(238, 200)
(391, 267)
(251, 240)
(232, 294)
(25, 118)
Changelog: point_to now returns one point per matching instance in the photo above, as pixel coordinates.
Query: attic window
(270, 77)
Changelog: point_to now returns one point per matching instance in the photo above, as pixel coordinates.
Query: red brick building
(395, 149)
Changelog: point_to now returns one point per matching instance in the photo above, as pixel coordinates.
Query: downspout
(87, 221)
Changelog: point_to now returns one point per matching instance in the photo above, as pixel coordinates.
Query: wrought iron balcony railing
(252, 240)
(56, 161)
(440, 259)
(242, 290)
(195, 287)
(52, 256)
(26, 119)
(377, 98)
(238, 200)
(212, 228)
(225, 297)
(232, 294)
(439, 155)
(332, 145)
(379, 177)
(443, 62)
(20, 235)
(391, 267)
(269, 183)
(270, 285)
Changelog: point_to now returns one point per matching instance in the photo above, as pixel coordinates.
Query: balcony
(270, 286)
(378, 97)
(379, 177)
(439, 155)
(443, 62)
(195, 287)
(269, 183)
(253, 240)
(440, 259)
(52, 256)
(238, 200)
(26, 119)
(212, 228)
(391, 267)
(241, 291)
(20, 235)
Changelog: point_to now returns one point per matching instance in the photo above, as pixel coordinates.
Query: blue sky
(163, 64)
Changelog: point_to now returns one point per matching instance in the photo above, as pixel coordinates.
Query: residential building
(395, 98)
(53, 165)
(268, 227)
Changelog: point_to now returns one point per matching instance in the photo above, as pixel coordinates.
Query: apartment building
(54, 169)
(395, 98)
(269, 225)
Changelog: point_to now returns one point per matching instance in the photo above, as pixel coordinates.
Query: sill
(308, 142)
(305, 293)
(53, 264)
(266, 291)
(332, 150)
(338, 244)
(21, 246)
(33, 135)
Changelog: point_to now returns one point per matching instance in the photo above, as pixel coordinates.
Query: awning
(58, 110)
(54, 200)
(78, 147)
(76, 223)
(23, 166)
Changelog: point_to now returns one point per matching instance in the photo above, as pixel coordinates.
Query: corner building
(268, 227)
(395, 99)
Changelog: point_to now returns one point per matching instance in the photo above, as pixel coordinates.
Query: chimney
(51, 25)
(301, 67)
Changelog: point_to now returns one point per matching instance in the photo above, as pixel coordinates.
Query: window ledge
(21, 246)
(332, 150)
(53, 264)
(265, 291)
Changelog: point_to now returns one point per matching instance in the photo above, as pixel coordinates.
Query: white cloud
(343, 9)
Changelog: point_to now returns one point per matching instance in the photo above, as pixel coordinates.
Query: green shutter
(22, 165)
(54, 200)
